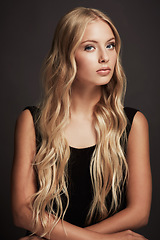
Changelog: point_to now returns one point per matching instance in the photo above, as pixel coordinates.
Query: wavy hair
(108, 167)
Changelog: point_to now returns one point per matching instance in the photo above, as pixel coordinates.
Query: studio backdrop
(27, 29)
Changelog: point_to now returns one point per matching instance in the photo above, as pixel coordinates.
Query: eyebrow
(113, 38)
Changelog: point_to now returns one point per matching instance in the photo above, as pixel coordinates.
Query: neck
(83, 99)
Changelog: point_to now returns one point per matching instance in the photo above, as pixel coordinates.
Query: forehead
(97, 29)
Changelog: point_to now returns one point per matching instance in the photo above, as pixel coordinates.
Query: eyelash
(90, 46)
(112, 44)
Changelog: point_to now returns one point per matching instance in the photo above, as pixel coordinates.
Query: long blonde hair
(108, 167)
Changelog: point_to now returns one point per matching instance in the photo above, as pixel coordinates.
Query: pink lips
(103, 71)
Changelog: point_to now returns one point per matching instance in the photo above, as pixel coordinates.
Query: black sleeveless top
(80, 186)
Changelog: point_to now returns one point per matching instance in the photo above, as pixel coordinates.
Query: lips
(103, 71)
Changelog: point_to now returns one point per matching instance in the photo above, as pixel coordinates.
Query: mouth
(103, 71)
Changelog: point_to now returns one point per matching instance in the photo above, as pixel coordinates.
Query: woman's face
(96, 55)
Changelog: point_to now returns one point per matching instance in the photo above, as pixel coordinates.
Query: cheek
(82, 61)
(114, 59)
(84, 67)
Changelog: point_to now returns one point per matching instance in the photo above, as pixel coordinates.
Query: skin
(86, 92)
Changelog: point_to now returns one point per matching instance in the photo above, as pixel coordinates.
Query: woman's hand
(126, 235)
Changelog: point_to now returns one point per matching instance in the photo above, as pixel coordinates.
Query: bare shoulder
(140, 124)
(138, 140)
(25, 138)
(25, 118)
(140, 118)
(25, 122)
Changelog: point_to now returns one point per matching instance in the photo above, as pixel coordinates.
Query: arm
(139, 188)
(23, 185)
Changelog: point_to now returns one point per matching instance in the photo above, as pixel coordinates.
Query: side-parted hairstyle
(108, 166)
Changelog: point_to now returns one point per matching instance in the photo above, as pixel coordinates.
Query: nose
(103, 56)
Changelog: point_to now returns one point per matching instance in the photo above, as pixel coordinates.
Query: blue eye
(111, 46)
(88, 48)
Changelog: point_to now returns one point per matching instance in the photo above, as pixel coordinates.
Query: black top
(80, 186)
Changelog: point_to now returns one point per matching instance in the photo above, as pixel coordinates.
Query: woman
(81, 165)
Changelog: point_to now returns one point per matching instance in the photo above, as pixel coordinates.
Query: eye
(111, 46)
(88, 48)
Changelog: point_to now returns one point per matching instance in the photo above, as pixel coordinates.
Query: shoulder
(130, 113)
(27, 115)
(25, 123)
(135, 118)
(25, 118)
(34, 111)
(140, 119)
(139, 128)
(24, 137)
(140, 123)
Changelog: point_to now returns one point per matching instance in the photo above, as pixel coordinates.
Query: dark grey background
(26, 33)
